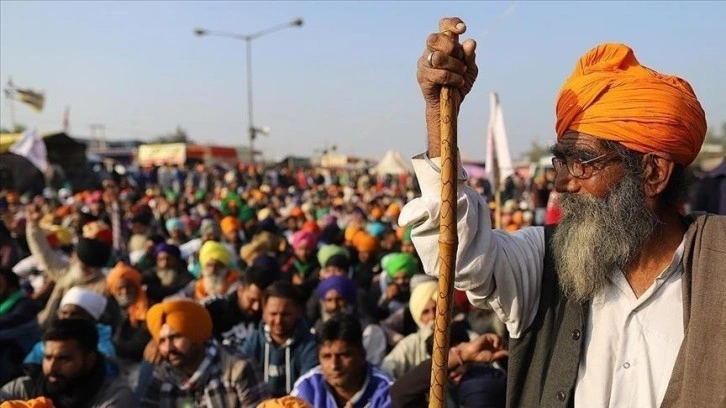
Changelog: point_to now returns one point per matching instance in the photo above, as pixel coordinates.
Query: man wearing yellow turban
(217, 277)
(613, 306)
(195, 369)
(411, 350)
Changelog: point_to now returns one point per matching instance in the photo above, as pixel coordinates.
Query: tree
(712, 138)
(535, 152)
(19, 128)
(178, 136)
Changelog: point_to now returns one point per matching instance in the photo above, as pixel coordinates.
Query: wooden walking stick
(448, 243)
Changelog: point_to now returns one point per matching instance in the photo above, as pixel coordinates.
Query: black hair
(260, 276)
(332, 234)
(284, 290)
(675, 190)
(81, 330)
(338, 261)
(157, 239)
(11, 279)
(342, 326)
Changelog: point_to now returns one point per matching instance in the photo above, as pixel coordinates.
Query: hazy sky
(347, 77)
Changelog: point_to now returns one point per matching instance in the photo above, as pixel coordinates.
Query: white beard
(597, 237)
(214, 285)
(123, 301)
(166, 276)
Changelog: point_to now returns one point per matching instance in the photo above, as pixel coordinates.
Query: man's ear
(90, 359)
(657, 172)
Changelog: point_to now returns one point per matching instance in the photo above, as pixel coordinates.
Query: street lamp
(248, 38)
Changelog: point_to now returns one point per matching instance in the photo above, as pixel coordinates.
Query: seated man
(93, 251)
(393, 289)
(282, 344)
(412, 350)
(73, 373)
(194, 370)
(169, 276)
(19, 328)
(86, 305)
(344, 378)
(476, 377)
(131, 335)
(337, 295)
(237, 315)
(217, 277)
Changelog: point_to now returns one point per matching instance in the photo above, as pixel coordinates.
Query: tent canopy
(392, 163)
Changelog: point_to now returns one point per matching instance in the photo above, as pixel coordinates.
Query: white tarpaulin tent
(392, 163)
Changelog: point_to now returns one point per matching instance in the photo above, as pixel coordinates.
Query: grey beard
(123, 301)
(325, 315)
(598, 237)
(214, 284)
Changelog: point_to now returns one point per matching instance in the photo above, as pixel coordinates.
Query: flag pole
(11, 103)
(448, 243)
(498, 209)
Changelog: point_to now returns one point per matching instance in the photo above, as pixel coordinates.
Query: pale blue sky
(347, 77)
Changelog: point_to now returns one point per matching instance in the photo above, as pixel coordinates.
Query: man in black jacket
(236, 315)
(19, 329)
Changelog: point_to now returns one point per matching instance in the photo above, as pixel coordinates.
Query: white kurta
(631, 343)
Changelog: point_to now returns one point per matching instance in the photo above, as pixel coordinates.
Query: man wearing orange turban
(368, 267)
(611, 96)
(195, 369)
(231, 227)
(124, 284)
(613, 306)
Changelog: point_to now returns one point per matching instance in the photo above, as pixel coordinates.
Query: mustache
(175, 354)
(599, 236)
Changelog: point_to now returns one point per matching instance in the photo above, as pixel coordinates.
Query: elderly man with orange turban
(131, 334)
(614, 306)
(194, 369)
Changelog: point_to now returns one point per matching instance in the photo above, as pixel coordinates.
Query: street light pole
(253, 131)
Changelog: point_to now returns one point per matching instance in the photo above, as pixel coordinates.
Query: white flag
(32, 148)
(499, 161)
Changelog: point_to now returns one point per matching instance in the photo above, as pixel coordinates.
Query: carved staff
(448, 243)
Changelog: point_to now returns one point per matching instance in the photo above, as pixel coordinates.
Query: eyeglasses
(577, 168)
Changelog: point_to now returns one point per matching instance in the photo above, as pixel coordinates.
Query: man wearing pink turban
(621, 303)
(302, 265)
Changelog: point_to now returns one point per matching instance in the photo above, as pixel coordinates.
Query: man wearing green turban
(396, 285)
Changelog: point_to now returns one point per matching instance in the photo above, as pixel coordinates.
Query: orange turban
(137, 310)
(40, 402)
(229, 224)
(186, 317)
(365, 243)
(611, 96)
(376, 213)
(312, 227)
(351, 231)
(285, 402)
(393, 211)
